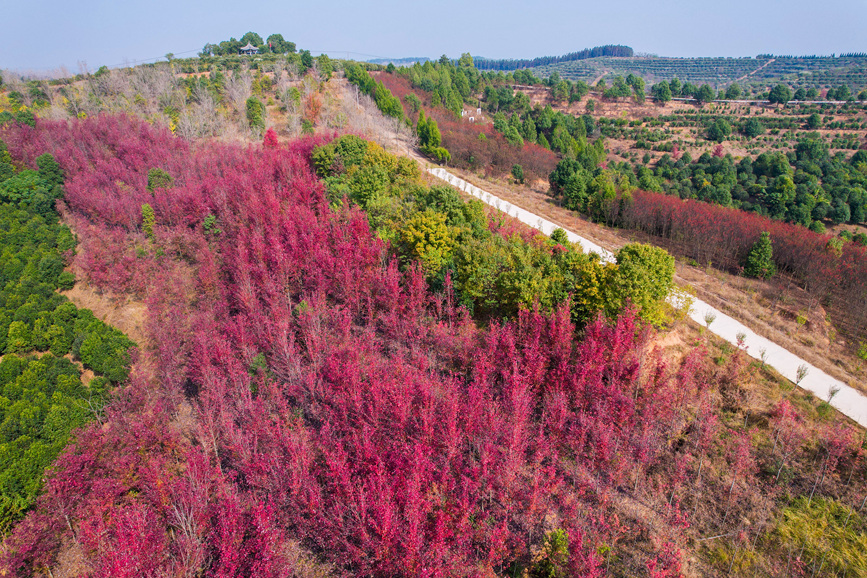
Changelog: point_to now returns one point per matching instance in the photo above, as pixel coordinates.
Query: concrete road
(847, 400)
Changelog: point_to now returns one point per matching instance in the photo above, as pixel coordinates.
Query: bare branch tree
(239, 89)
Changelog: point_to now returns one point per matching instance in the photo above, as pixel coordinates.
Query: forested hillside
(348, 369)
(794, 178)
(756, 73)
(44, 340)
(316, 401)
(514, 64)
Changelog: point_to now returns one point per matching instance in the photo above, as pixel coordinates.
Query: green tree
(413, 101)
(49, 170)
(814, 121)
(704, 94)
(752, 128)
(306, 61)
(18, 338)
(561, 174)
(428, 132)
(326, 67)
(637, 84)
(644, 276)
(619, 88)
(560, 91)
(733, 91)
(528, 130)
(280, 46)
(760, 259)
(514, 136)
(843, 92)
(840, 211)
(779, 195)
(553, 561)
(518, 173)
(255, 114)
(719, 130)
(159, 179)
(252, 38)
(601, 196)
(780, 94)
(367, 183)
(428, 239)
(575, 191)
(148, 220)
(661, 91)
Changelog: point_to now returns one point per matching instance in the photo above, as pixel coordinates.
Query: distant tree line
(510, 64)
(804, 187)
(273, 44)
(813, 56)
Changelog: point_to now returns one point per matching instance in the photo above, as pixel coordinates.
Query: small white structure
(249, 50)
(472, 119)
(478, 111)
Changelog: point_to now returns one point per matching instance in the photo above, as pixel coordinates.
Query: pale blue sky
(45, 34)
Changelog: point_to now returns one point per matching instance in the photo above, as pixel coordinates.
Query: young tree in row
(760, 259)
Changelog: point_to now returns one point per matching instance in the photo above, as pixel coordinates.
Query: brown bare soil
(71, 561)
(771, 309)
(119, 311)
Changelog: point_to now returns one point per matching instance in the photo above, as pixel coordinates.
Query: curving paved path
(847, 400)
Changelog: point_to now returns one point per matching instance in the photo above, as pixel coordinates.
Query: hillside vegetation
(44, 340)
(793, 177)
(754, 73)
(349, 370)
(415, 441)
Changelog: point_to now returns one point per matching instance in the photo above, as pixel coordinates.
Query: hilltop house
(248, 50)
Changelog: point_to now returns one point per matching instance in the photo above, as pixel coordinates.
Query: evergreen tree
(760, 259)
(661, 91)
(429, 136)
(704, 94)
(159, 179)
(148, 220)
(733, 92)
(256, 114)
(780, 94)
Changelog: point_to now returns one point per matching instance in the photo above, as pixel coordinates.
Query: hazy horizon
(46, 35)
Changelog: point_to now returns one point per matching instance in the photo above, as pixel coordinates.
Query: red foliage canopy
(295, 383)
(493, 153)
(724, 236)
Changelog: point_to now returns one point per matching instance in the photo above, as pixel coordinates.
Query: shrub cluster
(42, 399)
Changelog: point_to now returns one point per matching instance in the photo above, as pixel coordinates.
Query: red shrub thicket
(722, 236)
(295, 385)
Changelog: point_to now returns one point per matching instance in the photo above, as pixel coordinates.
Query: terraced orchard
(822, 72)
